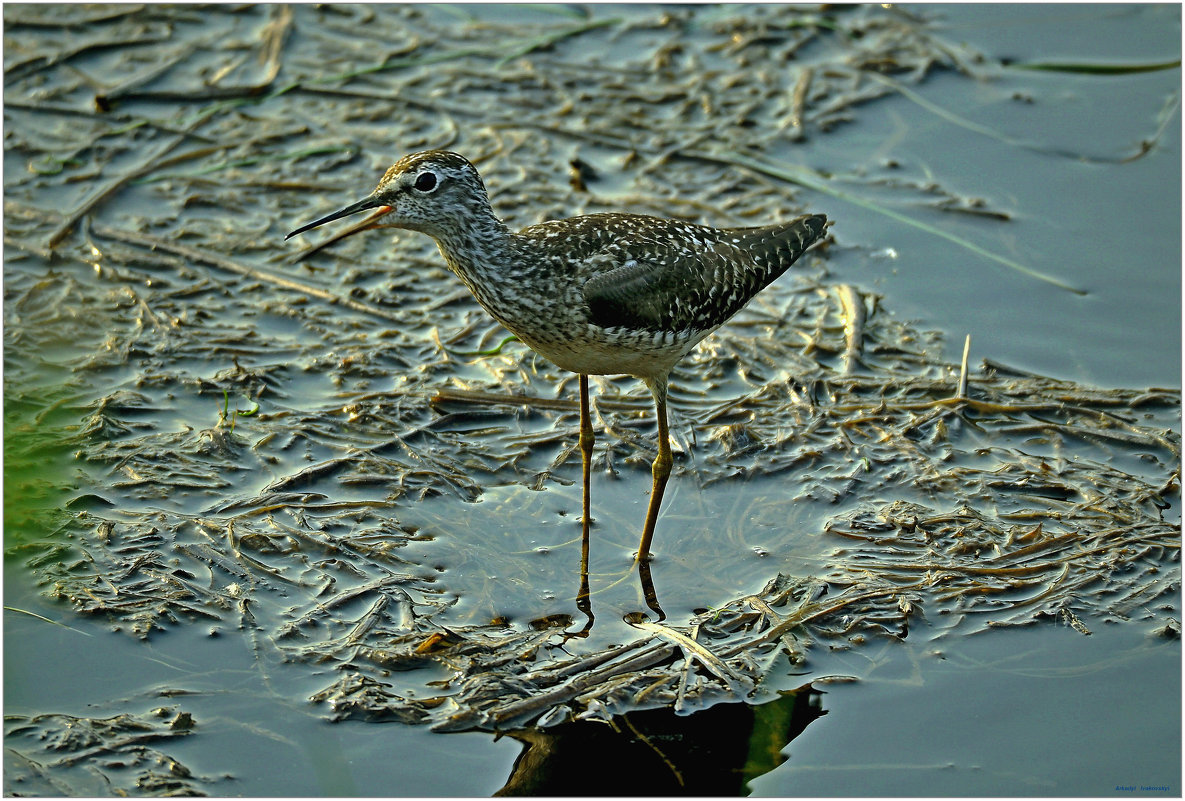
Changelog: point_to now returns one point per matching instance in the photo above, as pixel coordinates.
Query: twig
(853, 324)
(150, 164)
(962, 393)
(223, 263)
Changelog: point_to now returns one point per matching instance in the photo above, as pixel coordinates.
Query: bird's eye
(425, 182)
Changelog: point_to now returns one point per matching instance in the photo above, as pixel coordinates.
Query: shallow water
(1000, 712)
(1010, 715)
(1055, 156)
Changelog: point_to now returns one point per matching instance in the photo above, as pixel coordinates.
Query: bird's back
(664, 275)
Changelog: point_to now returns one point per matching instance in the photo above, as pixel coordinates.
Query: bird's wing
(676, 290)
(673, 294)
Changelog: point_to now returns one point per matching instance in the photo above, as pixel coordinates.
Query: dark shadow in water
(656, 752)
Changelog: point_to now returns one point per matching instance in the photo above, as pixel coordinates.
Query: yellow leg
(660, 470)
(587, 440)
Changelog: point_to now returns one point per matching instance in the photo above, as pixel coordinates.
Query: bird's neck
(481, 252)
(475, 246)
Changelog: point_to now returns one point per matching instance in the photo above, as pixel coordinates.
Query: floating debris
(57, 754)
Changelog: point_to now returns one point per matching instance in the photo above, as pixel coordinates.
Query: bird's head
(434, 192)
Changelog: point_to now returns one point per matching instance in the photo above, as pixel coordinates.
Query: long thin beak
(362, 205)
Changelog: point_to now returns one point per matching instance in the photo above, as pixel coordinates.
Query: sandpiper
(599, 294)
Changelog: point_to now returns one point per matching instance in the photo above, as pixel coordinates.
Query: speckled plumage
(600, 294)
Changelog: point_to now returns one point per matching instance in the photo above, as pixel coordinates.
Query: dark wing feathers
(698, 290)
(656, 296)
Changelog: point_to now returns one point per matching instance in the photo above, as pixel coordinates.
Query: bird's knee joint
(662, 465)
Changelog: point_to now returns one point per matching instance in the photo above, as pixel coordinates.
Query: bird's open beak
(353, 208)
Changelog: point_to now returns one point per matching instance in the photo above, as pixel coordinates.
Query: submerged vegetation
(337, 457)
